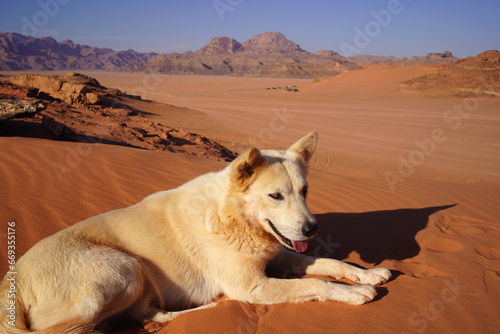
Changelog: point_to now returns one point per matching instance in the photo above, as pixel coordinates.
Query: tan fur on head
(246, 166)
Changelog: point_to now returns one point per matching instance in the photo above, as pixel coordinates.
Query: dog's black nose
(309, 229)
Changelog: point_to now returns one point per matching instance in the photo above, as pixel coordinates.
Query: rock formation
(77, 108)
(71, 88)
(488, 60)
(474, 76)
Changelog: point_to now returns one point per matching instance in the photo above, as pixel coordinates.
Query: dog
(177, 251)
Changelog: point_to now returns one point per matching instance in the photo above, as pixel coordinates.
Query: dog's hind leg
(90, 285)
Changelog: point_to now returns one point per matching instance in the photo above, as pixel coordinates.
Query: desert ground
(400, 180)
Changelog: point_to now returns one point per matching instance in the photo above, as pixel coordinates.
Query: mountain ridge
(269, 54)
(23, 52)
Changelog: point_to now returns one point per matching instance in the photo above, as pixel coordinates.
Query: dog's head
(272, 188)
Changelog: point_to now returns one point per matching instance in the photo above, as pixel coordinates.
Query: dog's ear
(246, 165)
(305, 147)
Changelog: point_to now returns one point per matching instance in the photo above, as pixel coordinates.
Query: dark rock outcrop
(10, 108)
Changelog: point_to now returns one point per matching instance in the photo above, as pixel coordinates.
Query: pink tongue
(300, 246)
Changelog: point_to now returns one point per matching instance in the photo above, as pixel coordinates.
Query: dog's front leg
(273, 291)
(287, 261)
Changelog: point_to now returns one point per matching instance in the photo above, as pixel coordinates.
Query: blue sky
(388, 27)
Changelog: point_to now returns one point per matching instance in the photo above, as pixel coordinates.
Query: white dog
(183, 248)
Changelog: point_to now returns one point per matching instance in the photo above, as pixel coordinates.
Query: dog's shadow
(375, 236)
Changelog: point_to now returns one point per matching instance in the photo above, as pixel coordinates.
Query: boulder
(91, 98)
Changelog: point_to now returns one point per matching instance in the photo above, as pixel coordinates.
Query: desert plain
(401, 179)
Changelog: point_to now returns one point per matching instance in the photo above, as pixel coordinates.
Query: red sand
(380, 186)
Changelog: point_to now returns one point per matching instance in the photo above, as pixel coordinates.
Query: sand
(400, 180)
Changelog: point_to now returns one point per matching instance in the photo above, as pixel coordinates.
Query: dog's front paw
(361, 294)
(374, 277)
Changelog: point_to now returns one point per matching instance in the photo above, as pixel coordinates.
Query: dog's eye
(304, 191)
(276, 196)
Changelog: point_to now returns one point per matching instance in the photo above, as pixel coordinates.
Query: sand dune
(432, 219)
(360, 82)
(359, 114)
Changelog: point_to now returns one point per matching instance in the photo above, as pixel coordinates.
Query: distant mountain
(269, 54)
(219, 46)
(21, 52)
(270, 42)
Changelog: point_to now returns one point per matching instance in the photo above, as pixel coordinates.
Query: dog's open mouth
(299, 246)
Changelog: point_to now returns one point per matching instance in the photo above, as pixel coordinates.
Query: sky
(400, 28)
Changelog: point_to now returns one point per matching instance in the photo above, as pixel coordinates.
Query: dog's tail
(13, 314)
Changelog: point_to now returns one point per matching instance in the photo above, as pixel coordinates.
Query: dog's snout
(309, 229)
